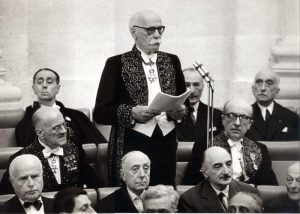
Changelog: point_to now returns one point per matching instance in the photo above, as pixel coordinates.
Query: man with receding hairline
(271, 121)
(245, 202)
(128, 84)
(26, 177)
(290, 202)
(63, 161)
(135, 172)
(46, 85)
(213, 194)
(251, 160)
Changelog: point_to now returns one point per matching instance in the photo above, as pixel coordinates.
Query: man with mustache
(128, 85)
(135, 172)
(63, 162)
(289, 203)
(46, 85)
(194, 127)
(26, 177)
(212, 194)
(271, 121)
(251, 162)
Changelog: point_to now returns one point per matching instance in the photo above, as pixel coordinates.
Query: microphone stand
(210, 104)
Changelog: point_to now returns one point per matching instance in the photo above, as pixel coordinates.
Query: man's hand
(143, 113)
(178, 114)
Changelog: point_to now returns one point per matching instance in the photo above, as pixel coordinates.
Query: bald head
(26, 177)
(146, 29)
(217, 167)
(293, 182)
(135, 171)
(50, 126)
(236, 118)
(141, 18)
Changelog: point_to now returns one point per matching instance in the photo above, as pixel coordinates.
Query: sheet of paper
(165, 102)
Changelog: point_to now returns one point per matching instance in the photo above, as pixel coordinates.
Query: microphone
(203, 72)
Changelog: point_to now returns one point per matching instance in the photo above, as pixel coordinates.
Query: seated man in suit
(72, 200)
(213, 194)
(160, 199)
(63, 162)
(245, 202)
(46, 86)
(251, 162)
(135, 172)
(271, 121)
(289, 203)
(194, 127)
(26, 177)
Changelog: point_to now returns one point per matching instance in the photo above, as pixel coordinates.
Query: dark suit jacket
(188, 131)
(203, 199)
(257, 162)
(283, 125)
(117, 202)
(123, 85)
(13, 205)
(75, 171)
(79, 126)
(282, 204)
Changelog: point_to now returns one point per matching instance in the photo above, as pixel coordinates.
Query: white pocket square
(285, 129)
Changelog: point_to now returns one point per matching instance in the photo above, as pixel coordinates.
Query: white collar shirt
(237, 158)
(195, 112)
(32, 209)
(54, 161)
(136, 199)
(264, 109)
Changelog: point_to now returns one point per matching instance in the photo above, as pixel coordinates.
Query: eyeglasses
(57, 129)
(233, 116)
(151, 30)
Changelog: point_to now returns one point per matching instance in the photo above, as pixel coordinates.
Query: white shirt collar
(263, 108)
(224, 191)
(132, 195)
(196, 105)
(233, 142)
(47, 150)
(146, 57)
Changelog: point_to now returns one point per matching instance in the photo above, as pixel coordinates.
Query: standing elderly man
(250, 160)
(46, 85)
(128, 85)
(135, 174)
(212, 194)
(289, 203)
(271, 121)
(26, 177)
(63, 162)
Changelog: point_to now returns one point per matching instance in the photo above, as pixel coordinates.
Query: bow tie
(37, 204)
(237, 144)
(57, 151)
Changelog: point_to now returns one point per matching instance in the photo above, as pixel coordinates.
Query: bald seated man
(135, 172)
(271, 121)
(63, 162)
(26, 177)
(290, 202)
(128, 84)
(245, 202)
(251, 162)
(212, 194)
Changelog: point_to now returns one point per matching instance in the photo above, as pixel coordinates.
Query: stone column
(285, 54)
(9, 94)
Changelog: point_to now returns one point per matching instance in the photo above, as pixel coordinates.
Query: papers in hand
(166, 102)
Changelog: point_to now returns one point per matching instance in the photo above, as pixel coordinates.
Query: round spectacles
(151, 30)
(58, 129)
(233, 116)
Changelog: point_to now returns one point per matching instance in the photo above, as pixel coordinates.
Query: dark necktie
(222, 199)
(268, 115)
(37, 204)
(192, 115)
